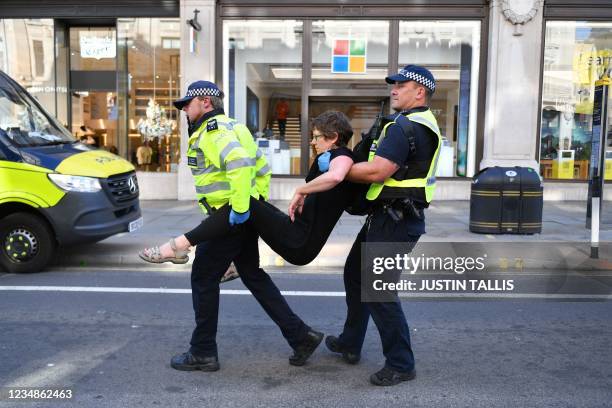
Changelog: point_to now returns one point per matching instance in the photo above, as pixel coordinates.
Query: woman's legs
(214, 226)
(299, 241)
(265, 218)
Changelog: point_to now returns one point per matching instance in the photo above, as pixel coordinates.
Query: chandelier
(156, 124)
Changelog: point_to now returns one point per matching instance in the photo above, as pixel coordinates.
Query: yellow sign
(589, 66)
(585, 72)
(563, 166)
(563, 170)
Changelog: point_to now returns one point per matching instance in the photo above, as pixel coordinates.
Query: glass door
(262, 76)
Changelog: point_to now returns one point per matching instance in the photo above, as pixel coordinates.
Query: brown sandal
(230, 274)
(154, 255)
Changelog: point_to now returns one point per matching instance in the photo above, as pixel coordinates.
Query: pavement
(564, 243)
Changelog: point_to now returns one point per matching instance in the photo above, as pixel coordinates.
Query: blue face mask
(323, 161)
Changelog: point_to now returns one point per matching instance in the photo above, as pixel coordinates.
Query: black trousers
(211, 261)
(297, 242)
(388, 316)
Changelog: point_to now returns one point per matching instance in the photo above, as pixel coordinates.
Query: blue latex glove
(236, 218)
(323, 161)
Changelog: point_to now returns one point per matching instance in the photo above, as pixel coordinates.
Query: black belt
(401, 208)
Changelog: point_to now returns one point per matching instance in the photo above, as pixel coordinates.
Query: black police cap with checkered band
(414, 73)
(198, 88)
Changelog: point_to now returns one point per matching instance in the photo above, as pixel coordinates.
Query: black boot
(189, 362)
(306, 348)
(333, 345)
(387, 376)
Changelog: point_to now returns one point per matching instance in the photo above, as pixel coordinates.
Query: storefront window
(262, 74)
(349, 54)
(451, 51)
(93, 85)
(111, 86)
(93, 48)
(148, 59)
(27, 55)
(574, 57)
(349, 66)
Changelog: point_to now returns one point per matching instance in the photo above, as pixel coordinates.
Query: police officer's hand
(236, 218)
(297, 204)
(323, 161)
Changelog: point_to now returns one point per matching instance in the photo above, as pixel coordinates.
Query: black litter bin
(506, 200)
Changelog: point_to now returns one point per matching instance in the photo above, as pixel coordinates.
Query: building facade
(515, 78)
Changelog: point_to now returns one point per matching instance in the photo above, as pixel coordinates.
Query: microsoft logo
(349, 56)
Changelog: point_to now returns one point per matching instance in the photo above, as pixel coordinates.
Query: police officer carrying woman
(228, 170)
(401, 172)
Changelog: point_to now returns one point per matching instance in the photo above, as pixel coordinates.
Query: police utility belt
(209, 208)
(400, 208)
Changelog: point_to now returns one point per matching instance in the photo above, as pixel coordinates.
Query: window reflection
(93, 48)
(574, 58)
(349, 66)
(263, 83)
(451, 51)
(356, 42)
(27, 56)
(152, 49)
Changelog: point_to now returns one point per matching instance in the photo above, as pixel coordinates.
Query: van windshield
(24, 122)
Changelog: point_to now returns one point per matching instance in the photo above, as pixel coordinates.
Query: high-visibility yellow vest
(428, 183)
(223, 162)
(263, 172)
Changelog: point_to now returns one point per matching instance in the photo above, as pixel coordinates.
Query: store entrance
(93, 85)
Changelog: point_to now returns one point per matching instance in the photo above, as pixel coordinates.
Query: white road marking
(68, 365)
(274, 270)
(102, 289)
(304, 293)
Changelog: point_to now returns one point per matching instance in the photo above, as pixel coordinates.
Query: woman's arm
(338, 169)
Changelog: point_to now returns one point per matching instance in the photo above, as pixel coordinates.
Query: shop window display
(262, 74)
(148, 49)
(576, 54)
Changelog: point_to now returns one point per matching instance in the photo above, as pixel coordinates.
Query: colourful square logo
(341, 47)
(357, 64)
(340, 63)
(358, 47)
(349, 56)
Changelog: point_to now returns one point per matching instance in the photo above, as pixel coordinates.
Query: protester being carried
(314, 210)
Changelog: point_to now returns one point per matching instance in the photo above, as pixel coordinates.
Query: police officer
(228, 169)
(401, 172)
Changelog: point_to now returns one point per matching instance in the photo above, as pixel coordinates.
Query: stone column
(196, 65)
(513, 81)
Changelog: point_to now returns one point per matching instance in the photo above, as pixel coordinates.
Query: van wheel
(26, 243)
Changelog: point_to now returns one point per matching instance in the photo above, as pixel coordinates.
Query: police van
(54, 190)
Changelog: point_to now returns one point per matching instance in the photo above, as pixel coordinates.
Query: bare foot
(166, 250)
